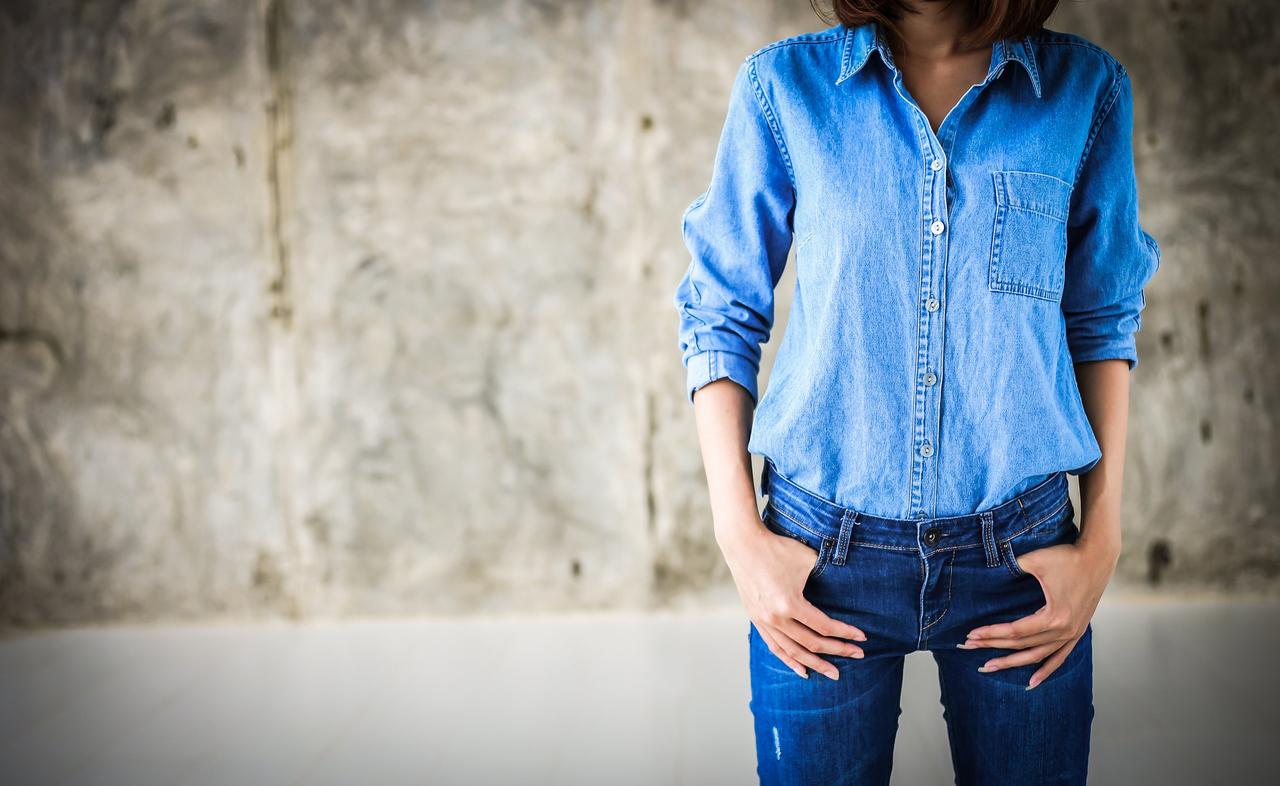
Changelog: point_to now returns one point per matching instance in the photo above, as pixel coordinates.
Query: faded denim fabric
(916, 586)
(945, 283)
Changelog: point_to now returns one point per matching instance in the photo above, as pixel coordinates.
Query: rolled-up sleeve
(1110, 257)
(738, 234)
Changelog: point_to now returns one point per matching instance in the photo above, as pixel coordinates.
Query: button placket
(927, 421)
(934, 278)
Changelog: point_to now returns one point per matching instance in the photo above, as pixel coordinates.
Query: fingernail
(1034, 682)
(835, 675)
(985, 668)
(966, 646)
(803, 674)
(857, 654)
(863, 637)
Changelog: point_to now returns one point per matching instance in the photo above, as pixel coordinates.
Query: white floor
(1186, 694)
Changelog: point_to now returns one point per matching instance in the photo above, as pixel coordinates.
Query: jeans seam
(855, 542)
(824, 548)
(1066, 501)
(824, 557)
(1037, 522)
(951, 572)
(1010, 560)
(961, 547)
(1006, 545)
(881, 546)
(793, 520)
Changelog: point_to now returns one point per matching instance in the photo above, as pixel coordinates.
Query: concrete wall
(325, 308)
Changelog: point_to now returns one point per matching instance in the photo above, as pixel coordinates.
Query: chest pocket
(1029, 239)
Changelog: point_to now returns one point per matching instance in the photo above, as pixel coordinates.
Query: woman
(958, 187)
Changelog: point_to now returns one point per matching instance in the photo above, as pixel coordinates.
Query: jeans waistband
(1037, 504)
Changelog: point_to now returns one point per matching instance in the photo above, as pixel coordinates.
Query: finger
(1020, 658)
(800, 653)
(1027, 562)
(781, 653)
(1024, 626)
(819, 621)
(1022, 642)
(815, 643)
(809, 622)
(1052, 663)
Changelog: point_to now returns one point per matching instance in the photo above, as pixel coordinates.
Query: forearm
(1104, 389)
(723, 410)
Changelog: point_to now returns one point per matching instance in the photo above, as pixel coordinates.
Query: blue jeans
(921, 585)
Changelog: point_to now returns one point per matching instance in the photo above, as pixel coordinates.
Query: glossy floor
(1187, 693)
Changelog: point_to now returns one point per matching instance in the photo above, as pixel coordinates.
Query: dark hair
(988, 20)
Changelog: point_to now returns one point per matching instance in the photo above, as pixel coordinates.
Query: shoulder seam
(1046, 36)
(1103, 112)
(803, 38)
(770, 117)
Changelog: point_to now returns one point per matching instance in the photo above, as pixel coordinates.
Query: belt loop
(989, 538)
(847, 522)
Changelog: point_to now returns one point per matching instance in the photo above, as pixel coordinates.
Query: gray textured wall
(322, 308)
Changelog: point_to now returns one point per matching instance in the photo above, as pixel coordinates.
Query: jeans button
(931, 535)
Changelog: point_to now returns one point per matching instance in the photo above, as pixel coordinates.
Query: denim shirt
(946, 283)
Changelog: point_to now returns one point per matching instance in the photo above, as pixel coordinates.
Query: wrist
(740, 534)
(1102, 551)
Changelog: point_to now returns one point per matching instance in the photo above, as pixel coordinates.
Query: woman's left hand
(1073, 577)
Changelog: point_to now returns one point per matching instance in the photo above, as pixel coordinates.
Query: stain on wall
(330, 308)
(1204, 455)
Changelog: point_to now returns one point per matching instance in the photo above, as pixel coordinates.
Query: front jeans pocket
(781, 523)
(1029, 234)
(1054, 529)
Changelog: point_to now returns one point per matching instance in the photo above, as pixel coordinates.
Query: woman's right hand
(771, 571)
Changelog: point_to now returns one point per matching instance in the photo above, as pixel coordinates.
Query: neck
(933, 32)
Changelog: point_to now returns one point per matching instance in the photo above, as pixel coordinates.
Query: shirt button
(931, 535)
(936, 164)
(936, 227)
(930, 378)
(926, 450)
(931, 304)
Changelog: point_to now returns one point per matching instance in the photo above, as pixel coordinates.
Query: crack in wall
(650, 435)
(279, 143)
(291, 585)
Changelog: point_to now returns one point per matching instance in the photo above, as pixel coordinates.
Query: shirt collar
(860, 41)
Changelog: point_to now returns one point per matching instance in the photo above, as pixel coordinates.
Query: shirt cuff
(1102, 349)
(712, 364)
